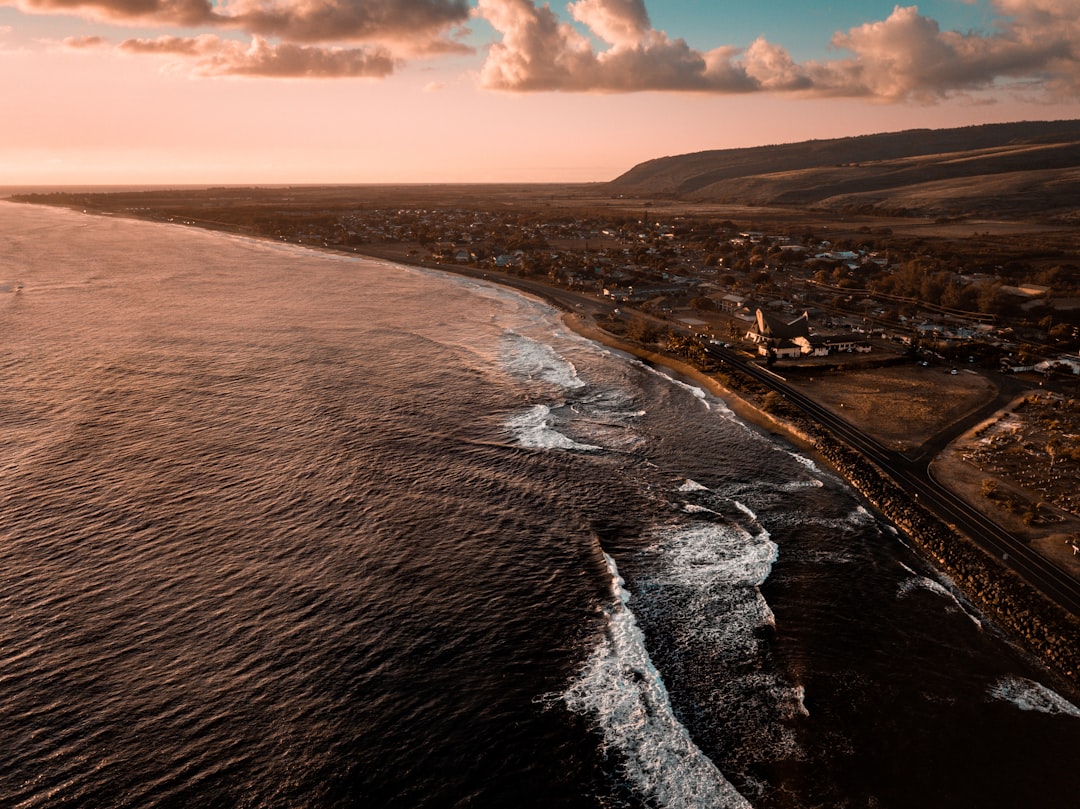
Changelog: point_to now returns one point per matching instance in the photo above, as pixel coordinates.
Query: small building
(768, 328)
(732, 303)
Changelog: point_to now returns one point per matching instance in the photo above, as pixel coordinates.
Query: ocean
(283, 528)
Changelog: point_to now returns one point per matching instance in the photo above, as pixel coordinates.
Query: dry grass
(902, 407)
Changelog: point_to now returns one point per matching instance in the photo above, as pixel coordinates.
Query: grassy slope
(1023, 170)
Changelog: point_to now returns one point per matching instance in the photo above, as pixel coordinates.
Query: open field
(901, 406)
(1002, 468)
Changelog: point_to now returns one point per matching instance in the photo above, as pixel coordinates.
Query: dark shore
(1040, 625)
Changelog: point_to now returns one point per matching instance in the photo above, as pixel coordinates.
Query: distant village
(800, 294)
(789, 296)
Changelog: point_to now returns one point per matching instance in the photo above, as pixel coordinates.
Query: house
(732, 303)
(813, 346)
(781, 349)
(821, 345)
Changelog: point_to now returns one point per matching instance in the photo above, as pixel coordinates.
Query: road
(912, 474)
(915, 477)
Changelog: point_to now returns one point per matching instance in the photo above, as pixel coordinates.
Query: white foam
(694, 508)
(710, 553)
(1028, 695)
(622, 691)
(529, 359)
(917, 582)
(746, 510)
(692, 486)
(709, 574)
(698, 393)
(534, 429)
(807, 462)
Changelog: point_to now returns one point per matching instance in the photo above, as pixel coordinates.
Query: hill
(1027, 170)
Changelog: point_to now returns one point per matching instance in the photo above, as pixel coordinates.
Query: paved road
(911, 472)
(915, 477)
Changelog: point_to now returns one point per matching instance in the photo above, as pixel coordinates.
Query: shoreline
(1048, 632)
(752, 415)
(1036, 623)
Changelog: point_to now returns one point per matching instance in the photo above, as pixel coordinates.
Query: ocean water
(288, 529)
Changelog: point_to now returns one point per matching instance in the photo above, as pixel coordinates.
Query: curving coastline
(1041, 626)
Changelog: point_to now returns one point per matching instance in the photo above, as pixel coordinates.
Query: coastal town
(994, 301)
(969, 340)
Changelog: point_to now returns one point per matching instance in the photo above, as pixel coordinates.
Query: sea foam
(621, 690)
(535, 429)
(1028, 695)
(526, 358)
(917, 582)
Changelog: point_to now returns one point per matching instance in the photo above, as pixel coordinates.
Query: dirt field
(1012, 483)
(902, 406)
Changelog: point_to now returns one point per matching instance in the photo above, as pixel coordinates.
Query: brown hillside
(1021, 170)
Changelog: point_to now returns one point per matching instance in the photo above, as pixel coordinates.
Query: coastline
(742, 407)
(1039, 625)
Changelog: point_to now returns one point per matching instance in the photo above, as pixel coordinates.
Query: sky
(435, 91)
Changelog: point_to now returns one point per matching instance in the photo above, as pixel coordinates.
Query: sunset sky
(340, 91)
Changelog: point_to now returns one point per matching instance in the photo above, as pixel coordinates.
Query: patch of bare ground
(900, 406)
(1021, 468)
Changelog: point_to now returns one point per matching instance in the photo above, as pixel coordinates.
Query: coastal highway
(913, 475)
(916, 477)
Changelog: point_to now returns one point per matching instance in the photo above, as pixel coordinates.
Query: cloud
(538, 52)
(620, 22)
(413, 25)
(907, 56)
(422, 26)
(163, 12)
(903, 57)
(85, 43)
(288, 37)
(214, 56)
(1030, 46)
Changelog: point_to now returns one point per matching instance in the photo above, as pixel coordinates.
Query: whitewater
(284, 528)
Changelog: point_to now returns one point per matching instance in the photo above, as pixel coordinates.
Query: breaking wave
(621, 690)
(535, 429)
(526, 358)
(917, 582)
(1028, 695)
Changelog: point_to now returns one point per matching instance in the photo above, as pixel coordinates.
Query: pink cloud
(619, 22)
(538, 52)
(409, 24)
(1032, 46)
(85, 43)
(903, 57)
(289, 37)
(907, 55)
(225, 57)
(413, 25)
(165, 12)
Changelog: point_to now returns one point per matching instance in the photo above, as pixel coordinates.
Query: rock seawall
(1041, 626)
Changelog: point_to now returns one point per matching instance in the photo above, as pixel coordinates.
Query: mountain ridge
(1023, 170)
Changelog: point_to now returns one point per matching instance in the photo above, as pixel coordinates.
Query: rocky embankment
(1041, 626)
